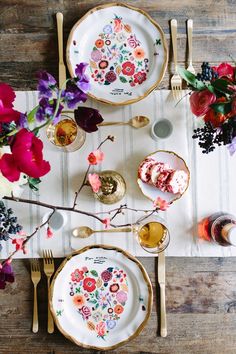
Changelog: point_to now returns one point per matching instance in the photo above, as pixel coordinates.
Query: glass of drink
(66, 134)
(152, 234)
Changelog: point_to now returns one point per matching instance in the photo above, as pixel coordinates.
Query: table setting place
(101, 166)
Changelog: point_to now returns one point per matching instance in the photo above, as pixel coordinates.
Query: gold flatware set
(48, 267)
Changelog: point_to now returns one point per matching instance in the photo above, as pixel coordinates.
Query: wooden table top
(201, 295)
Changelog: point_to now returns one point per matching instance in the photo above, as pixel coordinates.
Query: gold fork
(35, 277)
(48, 267)
(190, 41)
(176, 81)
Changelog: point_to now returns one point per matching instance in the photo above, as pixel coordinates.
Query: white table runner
(212, 186)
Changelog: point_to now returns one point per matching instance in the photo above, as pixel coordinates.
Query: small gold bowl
(113, 187)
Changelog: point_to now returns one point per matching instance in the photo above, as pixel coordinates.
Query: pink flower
(95, 157)
(121, 297)
(106, 222)
(18, 242)
(161, 204)
(7, 96)
(94, 181)
(49, 232)
(77, 275)
(101, 329)
(86, 312)
(224, 69)
(200, 102)
(26, 157)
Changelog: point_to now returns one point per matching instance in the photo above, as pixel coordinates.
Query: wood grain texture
(200, 294)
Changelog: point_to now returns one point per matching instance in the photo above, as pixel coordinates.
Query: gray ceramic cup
(161, 129)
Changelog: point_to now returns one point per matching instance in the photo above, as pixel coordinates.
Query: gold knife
(162, 283)
(62, 68)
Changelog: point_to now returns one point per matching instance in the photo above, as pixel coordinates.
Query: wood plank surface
(201, 292)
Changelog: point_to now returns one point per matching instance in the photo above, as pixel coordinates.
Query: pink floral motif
(89, 284)
(77, 275)
(106, 276)
(94, 181)
(95, 157)
(121, 297)
(101, 328)
(128, 68)
(18, 242)
(86, 312)
(140, 77)
(161, 204)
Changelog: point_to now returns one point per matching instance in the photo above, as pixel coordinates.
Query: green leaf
(222, 107)
(122, 79)
(30, 116)
(92, 301)
(106, 83)
(221, 85)
(191, 79)
(33, 182)
(96, 294)
(94, 273)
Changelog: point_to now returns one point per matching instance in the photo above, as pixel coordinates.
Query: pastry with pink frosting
(144, 171)
(157, 169)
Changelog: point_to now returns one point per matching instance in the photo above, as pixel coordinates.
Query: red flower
(26, 157)
(95, 157)
(7, 96)
(224, 69)
(18, 242)
(140, 77)
(77, 275)
(200, 102)
(49, 232)
(107, 222)
(89, 284)
(106, 276)
(216, 118)
(128, 68)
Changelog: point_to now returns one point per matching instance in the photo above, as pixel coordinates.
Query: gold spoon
(85, 231)
(135, 122)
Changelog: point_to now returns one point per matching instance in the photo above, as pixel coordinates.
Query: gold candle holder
(113, 187)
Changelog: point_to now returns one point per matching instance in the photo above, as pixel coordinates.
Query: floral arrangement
(213, 99)
(21, 157)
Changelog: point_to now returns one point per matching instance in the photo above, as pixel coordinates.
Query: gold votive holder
(113, 187)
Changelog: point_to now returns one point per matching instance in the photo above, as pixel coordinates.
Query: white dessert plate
(176, 162)
(126, 51)
(101, 297)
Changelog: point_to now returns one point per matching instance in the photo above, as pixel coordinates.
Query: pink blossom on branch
(106, 222)
(161, 204)
(18, 242)
(94, 181)
(49, 232)
(95, 157)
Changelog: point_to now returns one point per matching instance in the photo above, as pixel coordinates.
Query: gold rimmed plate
(101, 297)
(175, 162)
(126, 51)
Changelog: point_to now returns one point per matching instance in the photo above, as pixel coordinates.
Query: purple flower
(73, 95)
(232, 146)
(88, 118)
(6, 275)
(46, 84)
(111, 324)
(22, 122)
(46, 110)
(81, 79)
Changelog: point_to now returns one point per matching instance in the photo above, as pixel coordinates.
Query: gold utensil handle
(190, 36)
(62, 68)
(35, 326)
(173, 25)
(163, 330)
(121, 229)
(113, 123)
(50, 318)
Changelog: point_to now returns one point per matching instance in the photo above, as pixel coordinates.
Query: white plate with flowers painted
(125, 49)
(176, 163)
(101, 297)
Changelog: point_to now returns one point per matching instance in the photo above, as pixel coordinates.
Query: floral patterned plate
(101, 297)
(126, 51)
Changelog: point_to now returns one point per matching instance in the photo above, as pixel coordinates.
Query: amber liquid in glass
(65, 132)
(152, 234)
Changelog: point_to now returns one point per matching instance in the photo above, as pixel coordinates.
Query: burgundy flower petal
(9, 168)
(8, 114)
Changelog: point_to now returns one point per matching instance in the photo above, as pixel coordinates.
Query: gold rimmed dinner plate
(101, 297)
(125, 49)
(175, 162)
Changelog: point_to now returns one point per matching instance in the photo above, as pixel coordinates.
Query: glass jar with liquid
(220, 228)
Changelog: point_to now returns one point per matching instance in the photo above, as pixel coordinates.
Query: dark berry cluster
(5, 128)
(210, 137)
(207, 73)
(8, 223)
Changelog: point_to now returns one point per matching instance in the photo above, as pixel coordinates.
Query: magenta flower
(6, 275)
(26, 157)
(94, 181)
(224, 70)
(7, 96)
